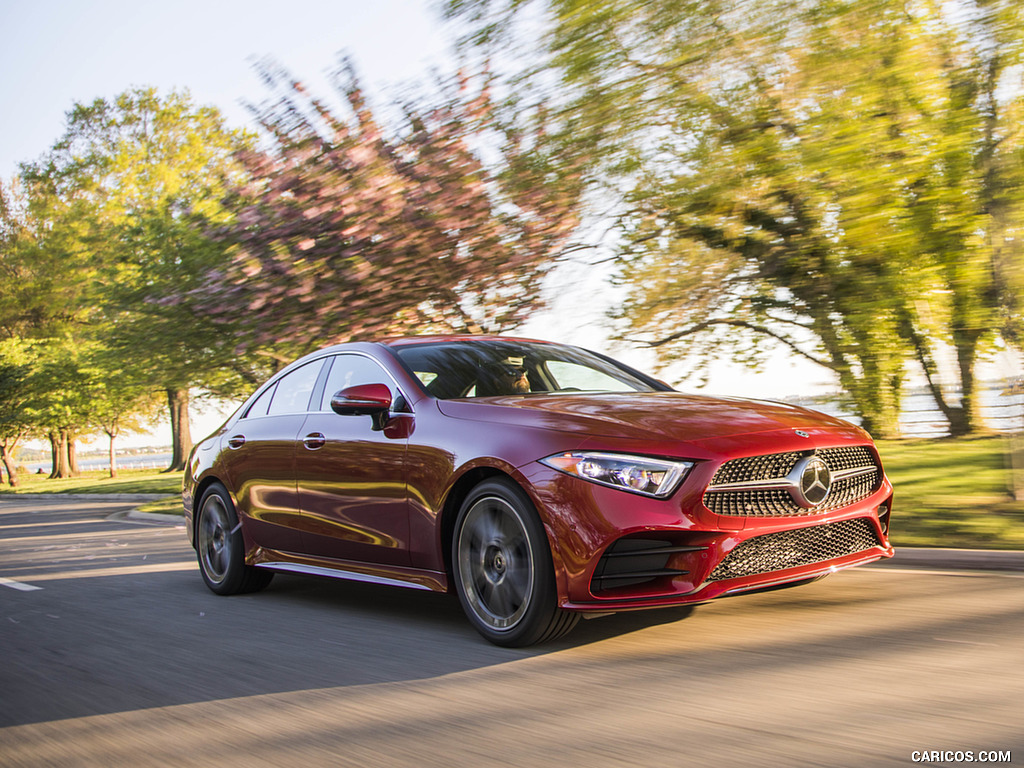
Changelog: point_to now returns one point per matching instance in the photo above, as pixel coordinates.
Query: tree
(42, 279)
(124, 189)
(347, 229)
(61, 376)
(18, 401)
(119, 406)
(842, 179)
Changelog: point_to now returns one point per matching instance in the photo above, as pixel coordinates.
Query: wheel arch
(202, 485)
(457, 494)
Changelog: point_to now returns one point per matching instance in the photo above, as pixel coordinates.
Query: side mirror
(364, 400)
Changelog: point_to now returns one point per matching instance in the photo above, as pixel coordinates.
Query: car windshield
(488, 368)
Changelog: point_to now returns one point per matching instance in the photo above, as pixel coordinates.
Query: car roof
(403, 341)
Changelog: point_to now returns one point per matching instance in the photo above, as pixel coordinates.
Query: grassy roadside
(953, 493)
(127, 481)
(949, 493)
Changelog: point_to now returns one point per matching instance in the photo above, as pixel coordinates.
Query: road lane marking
(126, 570)
(964, 642)
(40, 525)
(104, 535)
(19, 585)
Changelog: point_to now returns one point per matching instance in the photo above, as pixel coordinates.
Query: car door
(259, 459)
(351, 478)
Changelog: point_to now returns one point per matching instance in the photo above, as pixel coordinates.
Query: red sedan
(538, 481)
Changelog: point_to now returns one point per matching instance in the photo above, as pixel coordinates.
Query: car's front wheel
(503, 569)
(220, 547)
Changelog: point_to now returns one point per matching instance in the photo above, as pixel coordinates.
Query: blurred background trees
(354, 227)
(843, 179)
(116, 210)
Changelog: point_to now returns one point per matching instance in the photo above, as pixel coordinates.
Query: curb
(154, 517)
(954, 559)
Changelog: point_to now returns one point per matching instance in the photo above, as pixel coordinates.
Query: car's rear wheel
(503, 570)
(220, 548)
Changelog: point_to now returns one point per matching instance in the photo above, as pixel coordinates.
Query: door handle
(314, 440)
(236, 441)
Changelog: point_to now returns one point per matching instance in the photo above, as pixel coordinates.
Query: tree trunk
(181, 433)
(54, 453)
(967, 417)
(59, 451)
(113, 455)
(73, 455)
(875, 391)
(7, 454)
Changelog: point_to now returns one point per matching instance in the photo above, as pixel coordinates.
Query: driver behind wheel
(505, 378)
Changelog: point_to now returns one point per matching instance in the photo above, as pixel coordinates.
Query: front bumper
(616, 551)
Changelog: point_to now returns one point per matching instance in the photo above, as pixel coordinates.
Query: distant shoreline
(98, 462)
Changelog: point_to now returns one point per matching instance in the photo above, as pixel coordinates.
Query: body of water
(91, 463)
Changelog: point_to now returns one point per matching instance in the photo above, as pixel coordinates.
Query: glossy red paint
(358, 497)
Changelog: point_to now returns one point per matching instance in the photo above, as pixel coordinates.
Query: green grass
(949, 493)
(953, 493)
(170, 505)
(127, 481)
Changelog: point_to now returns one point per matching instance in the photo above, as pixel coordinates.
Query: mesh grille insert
(792, 549)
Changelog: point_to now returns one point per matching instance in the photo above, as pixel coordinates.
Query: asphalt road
(121, 657)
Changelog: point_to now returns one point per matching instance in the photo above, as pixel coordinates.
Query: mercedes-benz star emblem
(814, 482)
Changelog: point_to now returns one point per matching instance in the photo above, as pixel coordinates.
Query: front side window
(350, 371)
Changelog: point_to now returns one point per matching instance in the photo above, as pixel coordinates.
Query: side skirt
(392, 576)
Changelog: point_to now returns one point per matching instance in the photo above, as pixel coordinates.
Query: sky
(57, 53)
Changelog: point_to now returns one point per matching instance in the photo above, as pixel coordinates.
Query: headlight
(651, 477)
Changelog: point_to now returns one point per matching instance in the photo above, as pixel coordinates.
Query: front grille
(773, 502)
(756, 468)
(792, 549)
(778, 502)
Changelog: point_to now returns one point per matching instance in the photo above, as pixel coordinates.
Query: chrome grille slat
(794, 548)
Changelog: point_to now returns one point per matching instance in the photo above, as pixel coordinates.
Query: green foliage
(139, 178)
(19, 390)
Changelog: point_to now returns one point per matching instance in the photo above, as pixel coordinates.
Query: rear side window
(294, 390)
(262, 403)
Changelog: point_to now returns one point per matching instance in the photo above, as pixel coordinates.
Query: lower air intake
(792, 549)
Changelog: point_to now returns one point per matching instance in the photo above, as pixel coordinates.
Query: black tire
(220, 548)
(502, 568)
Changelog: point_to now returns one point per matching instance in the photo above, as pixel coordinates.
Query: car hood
(643, 415)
